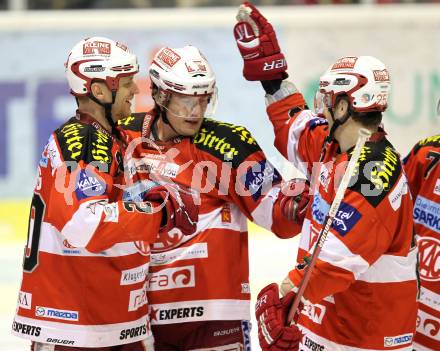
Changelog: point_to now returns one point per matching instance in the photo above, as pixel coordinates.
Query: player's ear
(98, 90)
(342, 108)
(154, 92)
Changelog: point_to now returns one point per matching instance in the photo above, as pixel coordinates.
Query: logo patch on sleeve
(88, 184)
(315, 122)
(427, 213)
(320, 208)
(345, 219)
(260, 177)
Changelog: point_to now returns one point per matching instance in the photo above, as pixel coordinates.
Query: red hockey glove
(180, 210)
(271, 313)
(258, 45)
(295, 198)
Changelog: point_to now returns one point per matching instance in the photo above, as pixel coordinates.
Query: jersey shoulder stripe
(432, 141)
(225, 141)
(83, 142)
(377, 171)
(133, 122)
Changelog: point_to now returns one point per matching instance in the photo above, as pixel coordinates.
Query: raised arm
(299, 133)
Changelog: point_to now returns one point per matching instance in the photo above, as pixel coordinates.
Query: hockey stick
(364, 134)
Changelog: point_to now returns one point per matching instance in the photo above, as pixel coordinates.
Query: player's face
(320, 107)
(186, 113)
(126, 91)
(321, 103)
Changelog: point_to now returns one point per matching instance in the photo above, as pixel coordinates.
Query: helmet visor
(321, 101)
(192, 106)
(318, 104)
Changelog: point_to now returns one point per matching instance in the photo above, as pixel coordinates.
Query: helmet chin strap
(161, 111)
(337, 122)
(163, 115)
(107, 109)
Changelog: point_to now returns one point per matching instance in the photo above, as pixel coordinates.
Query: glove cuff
(287, 88)
(286, 286)
(271, 86)
(266, 68)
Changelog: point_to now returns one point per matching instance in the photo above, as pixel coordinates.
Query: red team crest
(427, 325)
(167, 240)
(429, 248)
(143, 247)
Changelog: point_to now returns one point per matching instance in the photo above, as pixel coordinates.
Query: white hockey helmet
(364, 80)
(182, 70)
(98, 58)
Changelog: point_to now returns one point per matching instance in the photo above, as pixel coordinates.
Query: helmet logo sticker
(366, 98)
(168, 57)
(381, 75)
(94, 68)
(342, 81)
(200, 86)
(189, 68)
(122, 46)
(127, 67)
(96, 48)
(200, 65)
(197, 66)
(345, 62)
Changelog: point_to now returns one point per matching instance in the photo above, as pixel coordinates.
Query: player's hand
(179, 208)
(258, 45)
(295, 198)
(271, 313)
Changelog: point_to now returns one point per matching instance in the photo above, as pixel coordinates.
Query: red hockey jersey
(86, 260)
(423, 171)
(363, 289)
(206, 276)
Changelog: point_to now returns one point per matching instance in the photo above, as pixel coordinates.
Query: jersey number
(434, 157)
(143, 207)
(30, 259)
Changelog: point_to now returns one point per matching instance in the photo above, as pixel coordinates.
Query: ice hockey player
(86, 258)
(424, 182)
(199, 286)
(362, 291)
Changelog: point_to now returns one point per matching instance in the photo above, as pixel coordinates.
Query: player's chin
(189, 132)
(190, 127)
(121, 113)
(127, 111)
